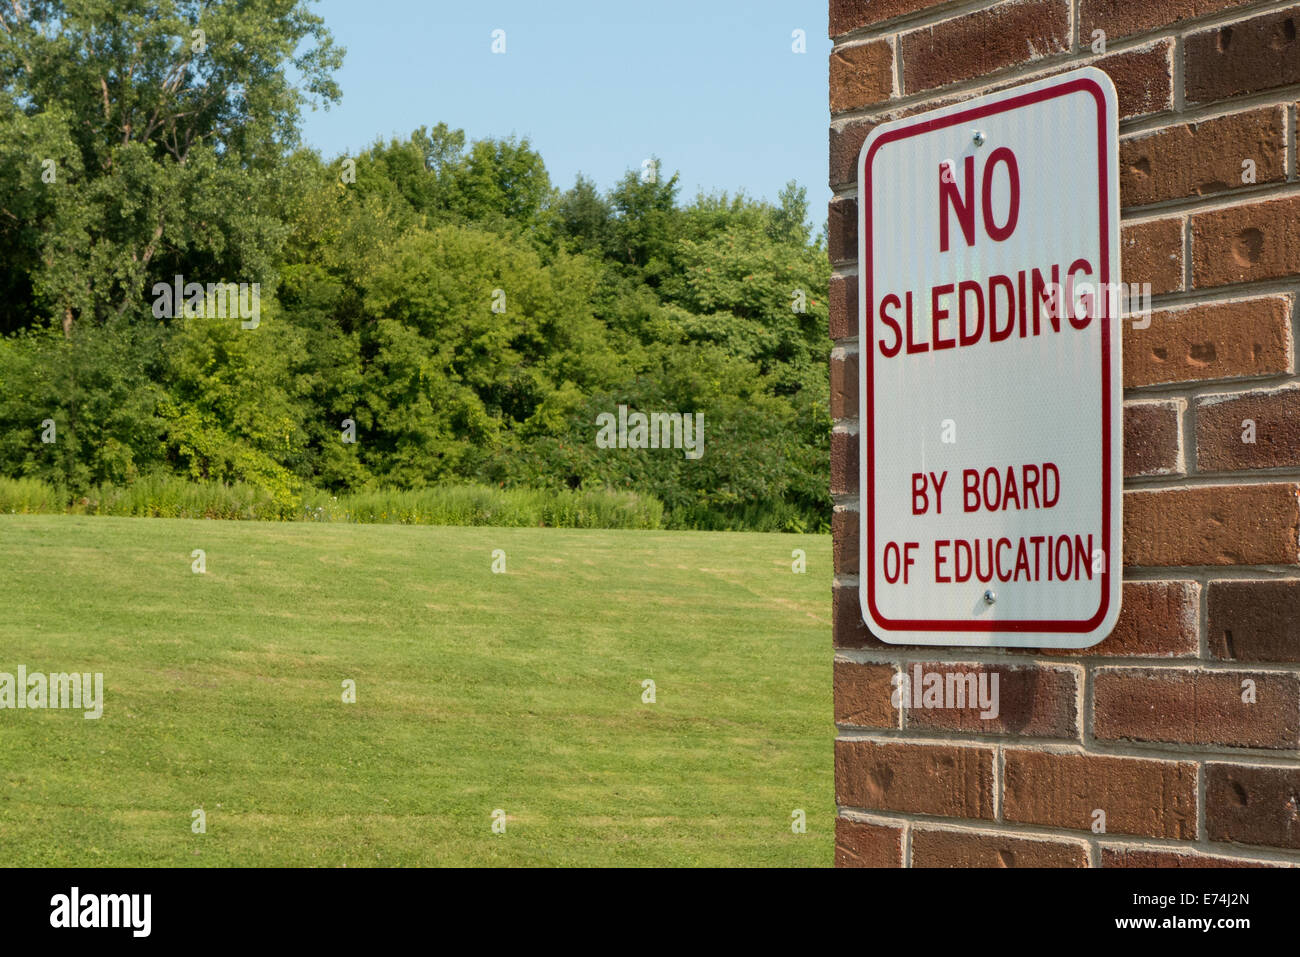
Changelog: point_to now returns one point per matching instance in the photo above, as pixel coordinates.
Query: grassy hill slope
(475, 692)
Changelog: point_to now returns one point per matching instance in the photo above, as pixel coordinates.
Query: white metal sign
(990, 393)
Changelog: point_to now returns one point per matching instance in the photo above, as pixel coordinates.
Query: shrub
(165, 496)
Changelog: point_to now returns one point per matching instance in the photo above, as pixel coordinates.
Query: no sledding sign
(990, 394)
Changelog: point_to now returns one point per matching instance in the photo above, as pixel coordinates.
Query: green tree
(469, 336)
(646, 223)
(584, 216)
(789, 221)
(177, 112)
(99, 393)
(233, 411)
(502, 180)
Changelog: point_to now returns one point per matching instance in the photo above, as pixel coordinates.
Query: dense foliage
(441, 301)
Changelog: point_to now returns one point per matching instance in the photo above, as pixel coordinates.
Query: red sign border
(923, 125)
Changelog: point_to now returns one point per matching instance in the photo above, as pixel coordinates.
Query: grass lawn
(475, 691)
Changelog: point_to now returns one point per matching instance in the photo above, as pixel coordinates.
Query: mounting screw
(979, 137)
(990, 596)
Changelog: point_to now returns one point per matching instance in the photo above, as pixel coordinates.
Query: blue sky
(711, 87)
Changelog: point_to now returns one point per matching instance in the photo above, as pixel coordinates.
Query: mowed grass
(475, 691)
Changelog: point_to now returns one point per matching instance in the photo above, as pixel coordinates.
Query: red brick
(1221, 340)
(1122, 18)
(849, 630)
(915, 778)
(1254, 620)
(844, 387)
(1221, 435)
(843, 307)
(1213, 525)
(1139, 796)
(1244, 57)
(1142, 84)
(1151, 439)
(944, 848)
(983, 42)
(1120, 856)
(862, 695)
(844, 541)
(845, 145)
(1032, 700)
(1200, 159)
(1143, 79)
(846, 15)
(1157, 619)
(842, 231)
(1253, 804)
(861, 75)
(1186, 706)
(1152, 252)
(859, 844)
(1246, 243)
(844, 463)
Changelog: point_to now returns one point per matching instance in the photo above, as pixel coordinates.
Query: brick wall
(1148, 726)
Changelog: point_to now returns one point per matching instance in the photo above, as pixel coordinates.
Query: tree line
(432, 311)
